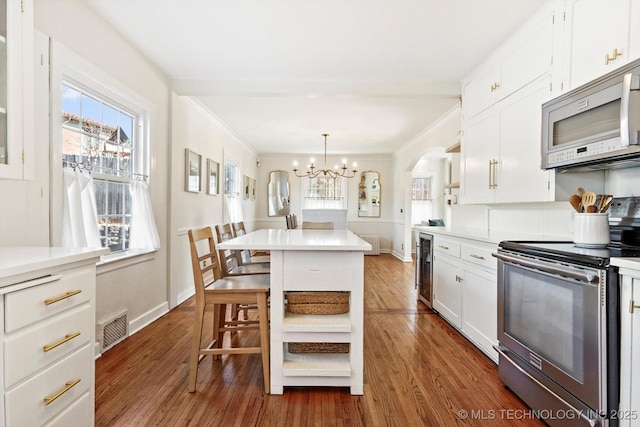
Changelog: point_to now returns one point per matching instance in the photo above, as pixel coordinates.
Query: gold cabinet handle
(633, 306)
(67, 387)
(494, 87)
(476, 256)
(615, 56)
(458, 278)
(444, 247)
(66, 338)
(69, 294)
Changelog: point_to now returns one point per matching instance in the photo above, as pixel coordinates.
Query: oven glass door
(552, 323)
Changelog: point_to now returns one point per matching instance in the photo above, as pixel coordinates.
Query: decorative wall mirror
(369, 192)
(278, 198)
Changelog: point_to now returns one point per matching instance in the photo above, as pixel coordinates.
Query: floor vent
(374, 240)
(113, 331)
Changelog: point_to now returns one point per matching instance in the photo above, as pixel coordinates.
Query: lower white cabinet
(47, 331)
(630, 348)
(465, 289)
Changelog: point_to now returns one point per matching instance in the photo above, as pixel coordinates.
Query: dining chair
(212, 289)
(317, 225)
(248, 256)
(231, 259)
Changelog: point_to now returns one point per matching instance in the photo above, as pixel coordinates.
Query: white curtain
(234, 208)
(79, 215)
(143, 233)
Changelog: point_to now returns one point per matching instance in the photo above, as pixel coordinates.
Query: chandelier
(336, 172)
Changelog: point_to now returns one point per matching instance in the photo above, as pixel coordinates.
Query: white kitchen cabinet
(447, 278)
(501, 151)
(601, 35)
(16, 90)
(630, 348)
(465, 289)
(47, 331)
(524, 58)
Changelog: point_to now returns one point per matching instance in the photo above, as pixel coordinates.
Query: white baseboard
(401, 256)
(140, 322)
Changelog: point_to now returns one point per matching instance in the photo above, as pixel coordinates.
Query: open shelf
(452, 185)
(316, 322)
(316, 365)
(455, 148)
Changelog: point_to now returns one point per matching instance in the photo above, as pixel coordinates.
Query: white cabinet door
(597, 30)
(480, 148)
(481, 92)
(629, 353)
(519, 177)
(447, 277)
(480, 308)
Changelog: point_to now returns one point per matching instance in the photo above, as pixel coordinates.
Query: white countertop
(489, 236)
(630, 263)
(15, 261)
(298, 239)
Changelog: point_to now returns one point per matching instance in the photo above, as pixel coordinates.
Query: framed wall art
(193, 166)
(246, 187)
(213, 172)
(253, 189)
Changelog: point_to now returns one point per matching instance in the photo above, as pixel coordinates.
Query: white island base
(313, 260)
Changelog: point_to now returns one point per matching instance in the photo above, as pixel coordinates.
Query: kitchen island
(313, 260)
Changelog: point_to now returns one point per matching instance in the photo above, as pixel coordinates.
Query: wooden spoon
(588, 199)
(575, 201)
(580, 191)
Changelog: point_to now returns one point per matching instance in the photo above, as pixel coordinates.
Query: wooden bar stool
(214, 290)
(310, 225)
(231, 260)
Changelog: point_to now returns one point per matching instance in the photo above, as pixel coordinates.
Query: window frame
(324, 202)
(70, 69)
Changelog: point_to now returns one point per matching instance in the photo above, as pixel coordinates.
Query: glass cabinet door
(16, 89)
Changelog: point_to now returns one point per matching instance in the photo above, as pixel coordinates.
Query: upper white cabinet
(16, 89)
(600, 36)
(520, 61)
(501, 151)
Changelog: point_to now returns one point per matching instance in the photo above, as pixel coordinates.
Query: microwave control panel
(586, 151)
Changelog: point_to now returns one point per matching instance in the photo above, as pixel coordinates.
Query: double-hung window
(324, 192)
(100, 137)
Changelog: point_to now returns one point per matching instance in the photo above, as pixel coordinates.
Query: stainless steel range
(558, 322)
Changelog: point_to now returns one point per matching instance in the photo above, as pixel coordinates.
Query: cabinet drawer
(69, 289)
(478, 255)
(80, 413)
(24, 351)
(447, 246)
(322, 270)
(25, 404)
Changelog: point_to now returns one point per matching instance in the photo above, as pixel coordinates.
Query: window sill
(120, 260)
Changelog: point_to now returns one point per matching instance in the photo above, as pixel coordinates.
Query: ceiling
(373, 74)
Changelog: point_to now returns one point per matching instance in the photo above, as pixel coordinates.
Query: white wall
(195, 128)
(442, 134)
(141, 288)
(382, 226)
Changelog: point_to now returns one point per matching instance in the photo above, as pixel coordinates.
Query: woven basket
(318, 347)
(317, 302)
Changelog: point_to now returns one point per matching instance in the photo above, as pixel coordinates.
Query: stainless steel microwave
(595, 126)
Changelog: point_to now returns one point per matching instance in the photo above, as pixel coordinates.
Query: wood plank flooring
(418, 372)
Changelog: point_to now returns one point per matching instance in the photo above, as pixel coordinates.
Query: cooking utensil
(592, 209)
(575, 201)
(580, 191)
(588, 199)
(606, 203)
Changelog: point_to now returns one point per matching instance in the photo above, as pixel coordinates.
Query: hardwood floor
(418, 372)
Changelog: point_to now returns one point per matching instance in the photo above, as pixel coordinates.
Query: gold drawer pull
(69, 294)
(66, 338)
(476, 256)
(68, 386)
(612, 58)
(444, 247)
(633, 306)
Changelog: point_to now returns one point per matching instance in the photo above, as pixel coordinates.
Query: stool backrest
(204, 261)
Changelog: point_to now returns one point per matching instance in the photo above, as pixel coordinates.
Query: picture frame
(213, 172)
(193, 166)
(253, 189)
(246, 187)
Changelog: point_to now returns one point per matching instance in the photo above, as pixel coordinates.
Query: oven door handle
(550, 268)
(592, 422)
